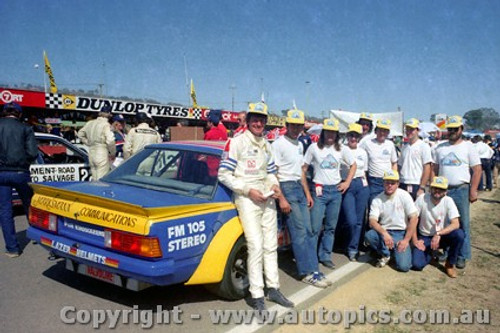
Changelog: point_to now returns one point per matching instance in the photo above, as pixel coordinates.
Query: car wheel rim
(239, 273)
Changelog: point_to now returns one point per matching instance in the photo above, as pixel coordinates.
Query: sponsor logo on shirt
(451, 160)
(329, 163)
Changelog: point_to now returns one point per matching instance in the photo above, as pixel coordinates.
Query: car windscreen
(170, 170)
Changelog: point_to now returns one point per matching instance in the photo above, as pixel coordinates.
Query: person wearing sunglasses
(453, 159)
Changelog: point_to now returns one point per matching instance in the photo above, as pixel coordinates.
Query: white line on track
(299, 297)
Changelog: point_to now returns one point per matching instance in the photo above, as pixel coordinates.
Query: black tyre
(234, 284)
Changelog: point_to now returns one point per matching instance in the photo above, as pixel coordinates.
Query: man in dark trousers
(18, 149)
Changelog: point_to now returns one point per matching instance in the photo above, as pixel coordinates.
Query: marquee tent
(346, 117)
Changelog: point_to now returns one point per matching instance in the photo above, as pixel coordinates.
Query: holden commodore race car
(57, 160)
(160, 218)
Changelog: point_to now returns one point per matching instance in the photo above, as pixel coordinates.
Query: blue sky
(422, 56)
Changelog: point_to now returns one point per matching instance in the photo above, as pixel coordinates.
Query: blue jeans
(326, 207)
(453, 241)
(376, 242)
(460, 195)
(8, 181)
(354, 204)
(414, 189)
(299, 225)
(486, 165)
(376, 187)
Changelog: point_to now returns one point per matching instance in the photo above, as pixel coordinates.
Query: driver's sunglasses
(453, 129)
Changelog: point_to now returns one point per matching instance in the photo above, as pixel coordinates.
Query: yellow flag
(193, 95)
(48, 70)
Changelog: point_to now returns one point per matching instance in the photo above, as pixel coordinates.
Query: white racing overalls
(139, 137)
(97, 135)
(248, 164)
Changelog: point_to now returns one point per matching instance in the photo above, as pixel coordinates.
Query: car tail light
(43, 219)
(133, 244)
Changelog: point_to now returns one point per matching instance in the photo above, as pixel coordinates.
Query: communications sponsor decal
(79, 253)
(107, 216)
(91, 214)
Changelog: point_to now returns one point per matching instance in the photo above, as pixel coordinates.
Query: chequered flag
(196, 113)
(53, 101)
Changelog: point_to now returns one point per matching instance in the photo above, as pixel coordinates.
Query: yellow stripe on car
(213, 262)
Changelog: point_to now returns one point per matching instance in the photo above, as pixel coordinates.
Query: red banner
(23, 97)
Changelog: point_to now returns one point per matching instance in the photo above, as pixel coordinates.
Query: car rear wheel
(234, 284)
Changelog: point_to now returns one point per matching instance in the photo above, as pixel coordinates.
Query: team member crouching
(393, 219)
(438, 227)
(248, 169)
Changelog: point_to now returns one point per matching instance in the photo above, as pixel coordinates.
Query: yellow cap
(366, 115)
(454, 121)
(295, 117)
(384, 123)
(355, 128)
(412, 122)
(331, 124)
(440, 182)
(258, 108)
(391, 175)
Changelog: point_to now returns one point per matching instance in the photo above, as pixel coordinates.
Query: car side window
(163, 164)
(56, 152)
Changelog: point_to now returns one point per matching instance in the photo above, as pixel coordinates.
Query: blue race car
(160, 218)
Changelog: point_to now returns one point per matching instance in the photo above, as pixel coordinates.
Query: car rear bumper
(156, 272)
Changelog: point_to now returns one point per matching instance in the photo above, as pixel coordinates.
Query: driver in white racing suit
(97, 135)
(248, 169)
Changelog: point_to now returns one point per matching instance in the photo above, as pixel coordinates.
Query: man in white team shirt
(382, 157)
(438, 227)
(297, 200)
(485, 154)
(393, 219)
(415, 161)
(453, 159)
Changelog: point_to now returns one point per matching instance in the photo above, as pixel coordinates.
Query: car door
(59, 160)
